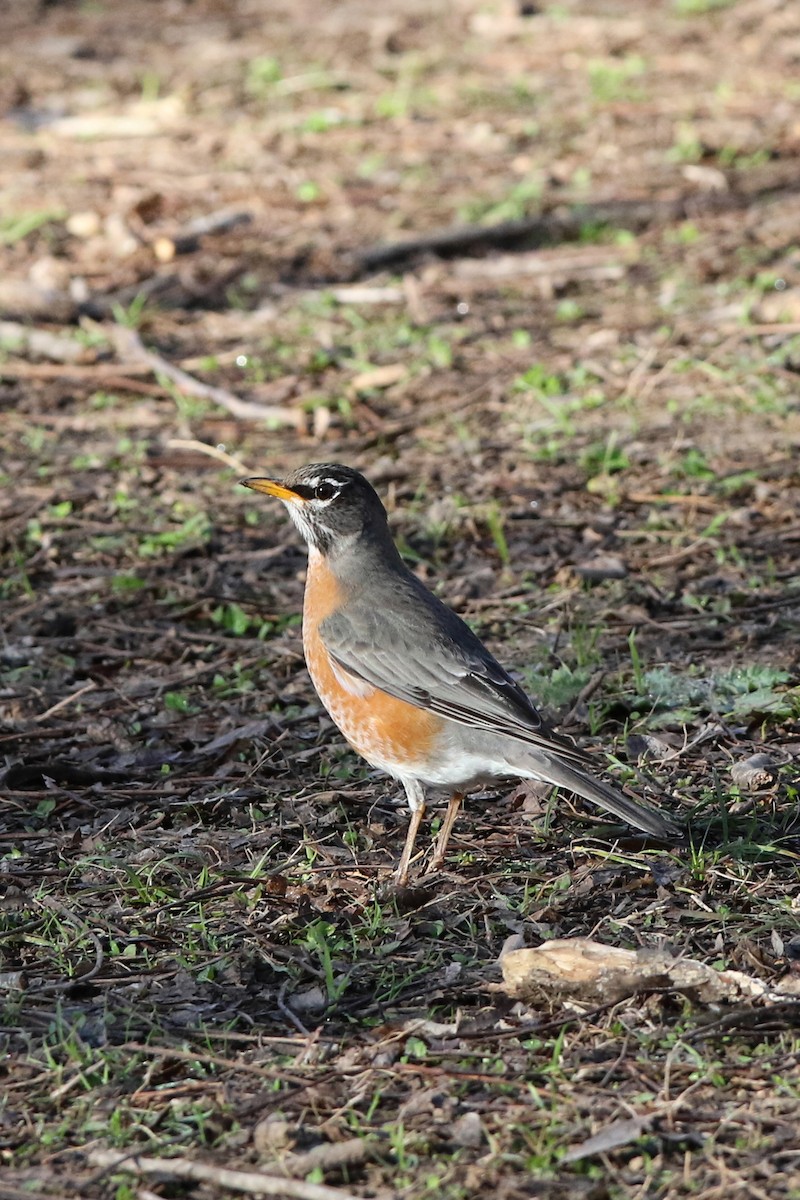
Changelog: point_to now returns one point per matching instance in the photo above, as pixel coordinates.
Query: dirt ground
(535, 270)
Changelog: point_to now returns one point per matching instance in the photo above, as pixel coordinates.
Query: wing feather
(434, 661)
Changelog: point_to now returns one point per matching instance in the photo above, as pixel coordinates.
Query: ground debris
(580, 969)
(198, 926)
(250, 1182)
(620, 1133)
(756, 772)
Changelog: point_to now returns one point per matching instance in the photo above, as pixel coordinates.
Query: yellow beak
(271, 487)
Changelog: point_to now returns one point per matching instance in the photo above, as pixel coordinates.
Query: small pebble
(468, 1131)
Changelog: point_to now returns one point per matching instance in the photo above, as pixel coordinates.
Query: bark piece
(757, 771)
(587, 971)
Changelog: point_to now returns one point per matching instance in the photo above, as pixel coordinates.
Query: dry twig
(66, 700)
(216, 452)
(254, 1183)
(567, 223)
(130, 348)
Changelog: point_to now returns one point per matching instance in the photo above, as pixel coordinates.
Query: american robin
(407, 682)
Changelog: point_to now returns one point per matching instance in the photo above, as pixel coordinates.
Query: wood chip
(602, 566)
(380, 377)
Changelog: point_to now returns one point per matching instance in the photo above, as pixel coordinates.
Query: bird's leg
(408, 849)
(416, 802)
(449, 821)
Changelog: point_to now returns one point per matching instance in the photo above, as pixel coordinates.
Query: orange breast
(389, 733)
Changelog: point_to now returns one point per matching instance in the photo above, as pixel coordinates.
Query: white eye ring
(325, 490)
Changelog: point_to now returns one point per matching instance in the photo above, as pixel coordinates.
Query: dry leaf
(619, 1133)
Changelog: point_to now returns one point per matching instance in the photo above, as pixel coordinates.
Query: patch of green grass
(15, 227)
(323, 120)
(604, 458)
(125, 582)
(17, 580)
(670, 697)
(693, 465)
(493, 515)
(558, 688)
(319, 940)
(232, 618)
(36, 437)
(699, 8)
(261, 74)
(308, 192)
(521, 199)
(688, 146)
(617, 78)
(594, 233)
(402, 101)
(179, 702)
(371, 165)
(732, 158)
(685, 234)
(439, 351)
(563, 401)
(540, 381)
(135, 314)
(740, 484)
(569, 311)
(194, 529)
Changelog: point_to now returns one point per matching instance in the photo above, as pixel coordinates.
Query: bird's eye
(324, 491)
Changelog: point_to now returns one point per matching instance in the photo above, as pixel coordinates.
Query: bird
(410, 686)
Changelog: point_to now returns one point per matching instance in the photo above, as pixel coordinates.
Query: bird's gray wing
(418, 650)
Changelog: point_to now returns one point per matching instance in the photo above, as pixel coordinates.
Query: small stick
(255, 1183)
(130, 348)
(586, 693)
(87, 687)
(217, 452)
(184, 240)
(565, 224)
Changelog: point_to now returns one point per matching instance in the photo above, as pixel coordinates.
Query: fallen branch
(130, 348)
(529, 231)
(579, 969)
(583, 262)
(567, 224)
(255, 1183)
(106, 373)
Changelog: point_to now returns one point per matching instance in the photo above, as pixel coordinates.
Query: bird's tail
(643, 816)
